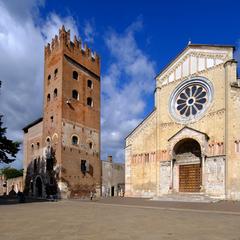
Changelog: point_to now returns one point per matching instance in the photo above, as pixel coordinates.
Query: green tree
(8, 148)
(12, 172)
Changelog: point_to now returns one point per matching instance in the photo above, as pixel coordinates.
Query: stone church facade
(190, 142)
(62, 149)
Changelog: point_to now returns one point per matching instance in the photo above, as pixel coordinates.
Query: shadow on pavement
(6, 200)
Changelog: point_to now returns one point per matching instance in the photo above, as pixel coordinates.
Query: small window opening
(74, 140)
(49, 77)
(32, 146)
(48, 97)
(75, 75)
(51, 118)
(90, 84)
(38, 145)
(90, 145)
(55, 92)
(55, 72)
(84, 166)
(89, 102)
(75, 94)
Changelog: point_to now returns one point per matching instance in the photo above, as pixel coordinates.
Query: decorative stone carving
(187, 132)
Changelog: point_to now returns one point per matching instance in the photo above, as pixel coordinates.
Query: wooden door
(190, 178)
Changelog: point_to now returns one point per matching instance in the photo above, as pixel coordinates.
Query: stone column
(171, 178)
(203, 172)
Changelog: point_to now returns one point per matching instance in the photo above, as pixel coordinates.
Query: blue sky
(135, 39)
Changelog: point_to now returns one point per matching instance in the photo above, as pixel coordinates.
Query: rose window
(191, 99)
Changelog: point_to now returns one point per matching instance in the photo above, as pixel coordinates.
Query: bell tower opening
(187, 155)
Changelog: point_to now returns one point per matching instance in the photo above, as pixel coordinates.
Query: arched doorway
(187, 155)
(38, 190)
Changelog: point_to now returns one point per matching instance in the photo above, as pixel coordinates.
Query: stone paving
(117, 218)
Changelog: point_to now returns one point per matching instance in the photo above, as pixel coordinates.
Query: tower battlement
(75, 47)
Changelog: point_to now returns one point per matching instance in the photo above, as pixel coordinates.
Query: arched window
(48, 97)
(75, 75)
(55, 72)
(48, 140)
(90, 144)
(32, 146)
(49, 77)
(74, 140)
(75, 94)
(55, 92)
(90, 83)
(89, 102)
(38, 145)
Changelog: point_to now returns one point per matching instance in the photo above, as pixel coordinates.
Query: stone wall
(141, 159)
(214, 176)
(113, 175)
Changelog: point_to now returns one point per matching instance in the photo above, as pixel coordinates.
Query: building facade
(190, 142)
(113, 178)
(62, 149)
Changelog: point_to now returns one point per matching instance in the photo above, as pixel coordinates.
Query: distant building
(62, 149)
(3, 184)
(6, 185)
(113, 178)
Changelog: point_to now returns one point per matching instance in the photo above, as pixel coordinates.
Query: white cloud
(54, 22)
(89, 31)
(22, 40)
(129, 79)
(23, 34)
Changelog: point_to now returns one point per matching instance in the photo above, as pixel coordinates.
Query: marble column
(203, 172)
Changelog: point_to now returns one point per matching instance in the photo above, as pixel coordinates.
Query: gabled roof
(192, 129)
(191, 45)
(141, 123)
(25, 129)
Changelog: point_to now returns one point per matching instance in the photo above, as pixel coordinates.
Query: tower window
(55, 72)
(38, 145)
(49, 77)
(90, 83)
(90, 145)
(89, 102)
(51, 118)
(74, 140)
(48, 97)
(75, 75)
(48, 140)
(84, 166)
(32, 146)
(55, 92)
(75, 94)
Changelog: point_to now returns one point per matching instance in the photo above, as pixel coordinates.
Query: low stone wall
(13, 183)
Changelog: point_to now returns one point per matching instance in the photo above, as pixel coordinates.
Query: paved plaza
(118, 218)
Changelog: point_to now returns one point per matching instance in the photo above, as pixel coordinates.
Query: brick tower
(71, 116)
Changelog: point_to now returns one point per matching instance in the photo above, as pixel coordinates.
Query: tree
(12, 172)
(8, 148)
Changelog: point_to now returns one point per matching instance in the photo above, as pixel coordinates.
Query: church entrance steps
(186, 197)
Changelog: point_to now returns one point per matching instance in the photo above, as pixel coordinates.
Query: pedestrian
(91, 195)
